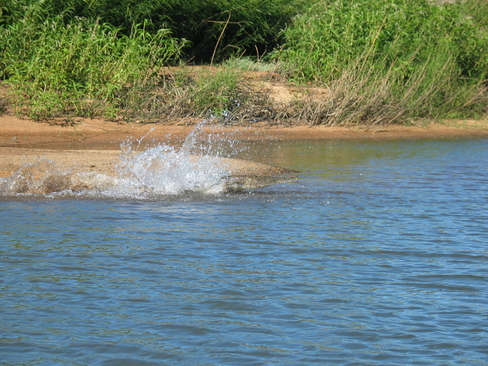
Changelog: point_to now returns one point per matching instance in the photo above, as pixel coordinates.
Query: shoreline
(96, 134)
(94, 145)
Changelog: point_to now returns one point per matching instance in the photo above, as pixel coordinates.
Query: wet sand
(106, 162)
(93, 145)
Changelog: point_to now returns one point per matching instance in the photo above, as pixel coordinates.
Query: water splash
(166, 170)
(160, 170)
(41, 177)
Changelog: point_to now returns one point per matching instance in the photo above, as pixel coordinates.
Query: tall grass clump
(388, 60)
(219, 94)
(101, 58)
(80, 68)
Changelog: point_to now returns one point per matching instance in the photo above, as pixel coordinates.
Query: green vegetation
(389, 60)
(218, 94)
(382, 61)
(84, 67)
(215, 29)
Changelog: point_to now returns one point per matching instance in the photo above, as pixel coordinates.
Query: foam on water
(160, 170)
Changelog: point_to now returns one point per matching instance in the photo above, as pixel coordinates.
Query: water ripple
(384, 268)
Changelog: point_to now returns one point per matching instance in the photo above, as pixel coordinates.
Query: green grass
(250, 64)
(332, 35)
(84, 68)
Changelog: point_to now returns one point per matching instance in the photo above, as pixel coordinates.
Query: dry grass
(243, 98)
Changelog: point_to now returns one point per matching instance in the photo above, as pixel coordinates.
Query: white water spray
(161, 170)
(165, 170)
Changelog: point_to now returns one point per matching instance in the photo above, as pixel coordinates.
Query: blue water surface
(378, 255)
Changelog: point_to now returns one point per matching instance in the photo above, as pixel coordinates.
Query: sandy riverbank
(24, 140)
(99, 134)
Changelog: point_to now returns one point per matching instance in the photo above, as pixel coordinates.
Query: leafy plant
(476, 10)
(333, 34)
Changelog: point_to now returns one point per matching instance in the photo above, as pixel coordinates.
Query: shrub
(430, 58)
(333, 34)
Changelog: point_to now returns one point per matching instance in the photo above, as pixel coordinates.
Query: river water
(378, 255)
